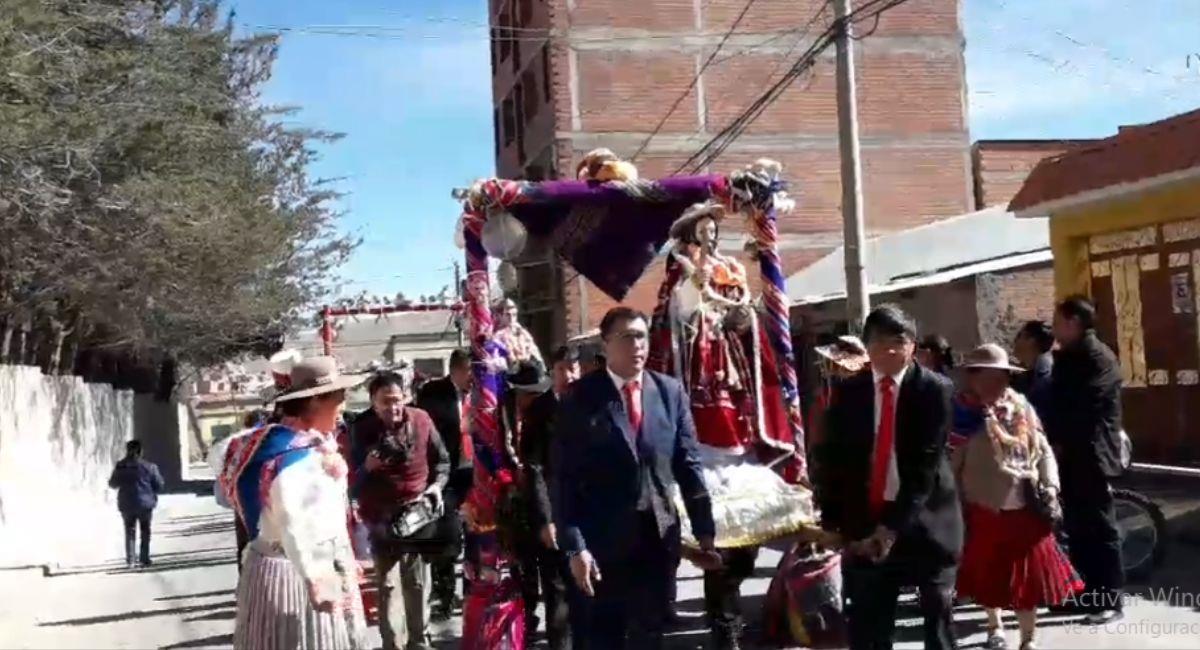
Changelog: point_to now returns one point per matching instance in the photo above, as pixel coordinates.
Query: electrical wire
(723, 139)
(695, 80)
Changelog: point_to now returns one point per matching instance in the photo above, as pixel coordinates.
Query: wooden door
(1144, 283)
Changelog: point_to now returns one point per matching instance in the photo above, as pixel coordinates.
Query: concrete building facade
(570, 76)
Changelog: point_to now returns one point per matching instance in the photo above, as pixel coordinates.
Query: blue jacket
(602, 468)
(137, 483)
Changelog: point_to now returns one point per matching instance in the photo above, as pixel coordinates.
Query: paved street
(186, 600)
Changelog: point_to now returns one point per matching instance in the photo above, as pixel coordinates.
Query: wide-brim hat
(685, 225)
(528, 377)
(847, 351)
(318, 376)
(989, 357)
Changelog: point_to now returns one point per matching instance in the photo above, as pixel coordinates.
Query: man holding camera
(403, 468)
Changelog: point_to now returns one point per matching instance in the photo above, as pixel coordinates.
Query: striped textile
(274, 611)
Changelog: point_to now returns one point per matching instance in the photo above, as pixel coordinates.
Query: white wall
(59, 438)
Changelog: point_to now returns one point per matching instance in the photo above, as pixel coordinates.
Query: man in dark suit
(445, 400)
(542, 562)
(886, 489)
(1085, 429)
(623, 439)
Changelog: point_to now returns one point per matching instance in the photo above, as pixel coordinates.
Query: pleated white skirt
(274, 611)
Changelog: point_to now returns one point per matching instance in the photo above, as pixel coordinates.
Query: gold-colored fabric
(751, 505)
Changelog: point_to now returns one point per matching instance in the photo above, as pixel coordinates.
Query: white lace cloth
(751, 504)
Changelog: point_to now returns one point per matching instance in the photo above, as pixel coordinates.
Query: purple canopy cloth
(609, 232)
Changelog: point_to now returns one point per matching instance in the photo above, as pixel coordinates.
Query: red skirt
(1011, 561)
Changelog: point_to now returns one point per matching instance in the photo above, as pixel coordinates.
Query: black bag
(419, 528)
(1043, 501)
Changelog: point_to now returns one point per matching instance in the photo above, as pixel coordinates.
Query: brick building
(1000, 167)
(570, 75)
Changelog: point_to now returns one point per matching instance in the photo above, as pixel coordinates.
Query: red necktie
(633, 400)
(884, 441)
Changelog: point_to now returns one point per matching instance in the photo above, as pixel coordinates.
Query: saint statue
(706, 333)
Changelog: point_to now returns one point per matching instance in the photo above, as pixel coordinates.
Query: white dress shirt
(620, 382)
(892, 486)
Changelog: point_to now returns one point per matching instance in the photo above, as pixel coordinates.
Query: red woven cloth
(1010, 560)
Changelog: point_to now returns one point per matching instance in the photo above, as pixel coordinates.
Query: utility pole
(858, 302)
(458, 291)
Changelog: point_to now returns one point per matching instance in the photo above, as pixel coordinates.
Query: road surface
(186, 600)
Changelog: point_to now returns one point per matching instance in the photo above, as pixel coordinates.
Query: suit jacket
(439, 398)
(536, 434)
(1085, 412)
(603, 471)
(926, 515)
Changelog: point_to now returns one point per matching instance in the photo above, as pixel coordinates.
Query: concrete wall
(59, 439)
(946, 309)
(1005, 301)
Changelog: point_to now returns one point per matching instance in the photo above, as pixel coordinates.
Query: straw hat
(991, 357)
(847, 352)
(318, 376)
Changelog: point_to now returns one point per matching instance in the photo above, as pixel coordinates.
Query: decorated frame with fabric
(609, 226)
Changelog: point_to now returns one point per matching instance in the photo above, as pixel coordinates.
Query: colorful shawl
(251, 464)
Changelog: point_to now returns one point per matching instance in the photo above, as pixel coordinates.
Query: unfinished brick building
(572, 75)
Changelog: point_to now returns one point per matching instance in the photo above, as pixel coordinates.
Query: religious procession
(604, 325)
(577, 494)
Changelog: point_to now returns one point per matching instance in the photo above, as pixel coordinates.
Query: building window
(495, 44)
(505, 32)
(497, 132)
(525, 11)
(510, 120)
(546, 71)
(519, 101)
(516, 46)
(220, 432)
(531, 101)
(432, 367)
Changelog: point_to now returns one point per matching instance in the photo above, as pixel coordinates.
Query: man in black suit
(542, 562)
(623, 439)
(1084, 428)
(886, 489)
(445, 400)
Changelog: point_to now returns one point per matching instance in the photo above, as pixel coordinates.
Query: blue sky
(414, 99)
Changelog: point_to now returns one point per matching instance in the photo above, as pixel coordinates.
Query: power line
(800, 33)
(723, 139)
(695, 80)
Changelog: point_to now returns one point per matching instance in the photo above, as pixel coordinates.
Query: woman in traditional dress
(287, 482)
(1008, 480)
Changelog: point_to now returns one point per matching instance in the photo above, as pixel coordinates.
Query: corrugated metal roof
(983, 236)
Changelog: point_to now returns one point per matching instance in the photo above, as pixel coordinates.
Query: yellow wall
(1070, 229)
